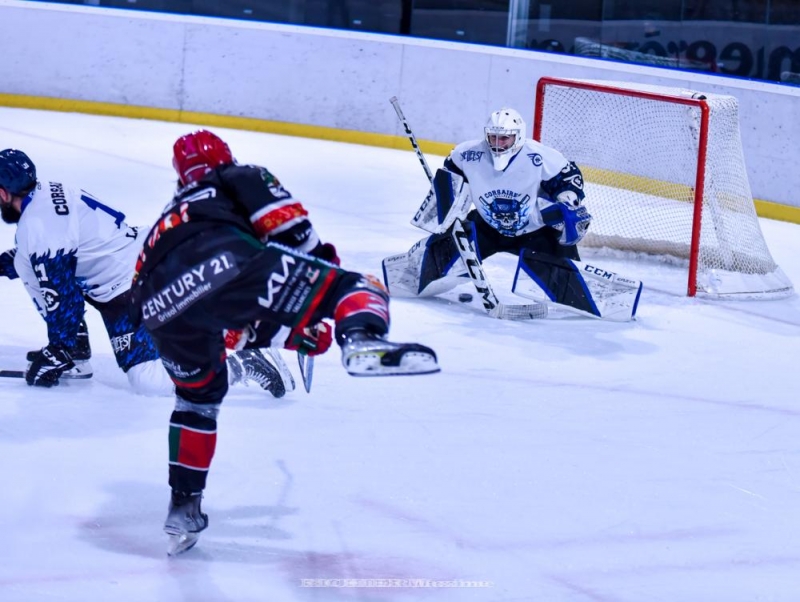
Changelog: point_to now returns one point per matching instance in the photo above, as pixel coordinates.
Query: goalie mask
(196, 154)
(505, 135)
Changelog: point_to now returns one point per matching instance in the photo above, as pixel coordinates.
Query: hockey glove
(327, 252)
(314, 340)
(48, 365)
(7, 264)
(571, 221)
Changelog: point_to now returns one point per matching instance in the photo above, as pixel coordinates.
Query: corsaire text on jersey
(193, 284)
(58, 198)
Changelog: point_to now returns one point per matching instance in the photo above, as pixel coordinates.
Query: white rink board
(340, 79)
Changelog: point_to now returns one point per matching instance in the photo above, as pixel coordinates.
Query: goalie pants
(441, 254)
(244, 282)
(489, 241)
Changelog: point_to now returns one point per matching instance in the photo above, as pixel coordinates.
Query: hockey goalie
(504, 193)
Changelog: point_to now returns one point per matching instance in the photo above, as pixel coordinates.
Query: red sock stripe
(195, 448)
(361, 301)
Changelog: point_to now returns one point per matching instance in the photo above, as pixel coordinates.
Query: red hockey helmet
(195, 154)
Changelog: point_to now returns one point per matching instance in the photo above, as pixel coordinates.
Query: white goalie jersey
(70, 245)
(510, 200)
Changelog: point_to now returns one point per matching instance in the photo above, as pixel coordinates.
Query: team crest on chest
(506, 211)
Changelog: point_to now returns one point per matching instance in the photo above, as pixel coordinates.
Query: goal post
(664, 175)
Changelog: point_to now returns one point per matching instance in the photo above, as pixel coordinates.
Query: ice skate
(81, 355)
(81, 370)
(366, 354)
(250, 365)
(184, 522)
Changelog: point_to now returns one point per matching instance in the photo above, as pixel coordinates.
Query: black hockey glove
(7, 264)
(327, 252)
(48, 365)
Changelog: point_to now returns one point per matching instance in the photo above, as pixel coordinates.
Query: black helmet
(17, 171)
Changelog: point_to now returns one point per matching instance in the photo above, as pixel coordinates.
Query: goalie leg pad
(431, 267)
(576, 286)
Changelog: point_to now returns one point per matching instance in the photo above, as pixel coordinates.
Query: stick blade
(306, 364)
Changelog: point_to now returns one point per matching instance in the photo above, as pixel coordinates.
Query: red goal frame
(700, 103)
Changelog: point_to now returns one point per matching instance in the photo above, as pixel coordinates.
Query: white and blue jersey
(71, 245)
(508, 200)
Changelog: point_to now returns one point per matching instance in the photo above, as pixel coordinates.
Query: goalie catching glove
(313, 340)
(569, 217)
(47, 366)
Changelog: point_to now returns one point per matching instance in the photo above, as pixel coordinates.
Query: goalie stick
(411, 137)
(430, 216)
(491, 303)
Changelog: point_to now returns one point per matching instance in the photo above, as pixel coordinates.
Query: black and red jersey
(247, 197)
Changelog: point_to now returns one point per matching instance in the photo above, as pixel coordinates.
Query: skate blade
(82, 369)
(369, 364)
(280, 364)
(181, 542)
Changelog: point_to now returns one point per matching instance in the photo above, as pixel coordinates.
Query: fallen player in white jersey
(74, 249)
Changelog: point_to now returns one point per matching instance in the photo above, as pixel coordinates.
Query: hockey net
(665, 175)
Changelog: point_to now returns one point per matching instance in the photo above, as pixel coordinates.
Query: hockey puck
(465, 297)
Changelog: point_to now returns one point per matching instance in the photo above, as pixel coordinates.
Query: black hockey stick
(21, 374)
(411, 137)
(491, 303)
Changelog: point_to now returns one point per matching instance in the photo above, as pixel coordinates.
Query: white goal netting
(663, 179)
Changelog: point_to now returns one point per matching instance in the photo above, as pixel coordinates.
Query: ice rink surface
(559, 460)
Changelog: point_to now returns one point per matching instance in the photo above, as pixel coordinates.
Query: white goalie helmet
(505, 134)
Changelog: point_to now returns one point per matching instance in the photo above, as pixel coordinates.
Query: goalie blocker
(447, 200)
(575, 286)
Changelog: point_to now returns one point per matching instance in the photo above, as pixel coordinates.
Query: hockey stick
(420, 218)
(428, 216)
(491, 303)
(306, 363)
(411, 137)
(21, 374)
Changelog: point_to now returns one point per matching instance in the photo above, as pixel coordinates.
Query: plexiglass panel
(758, 39)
